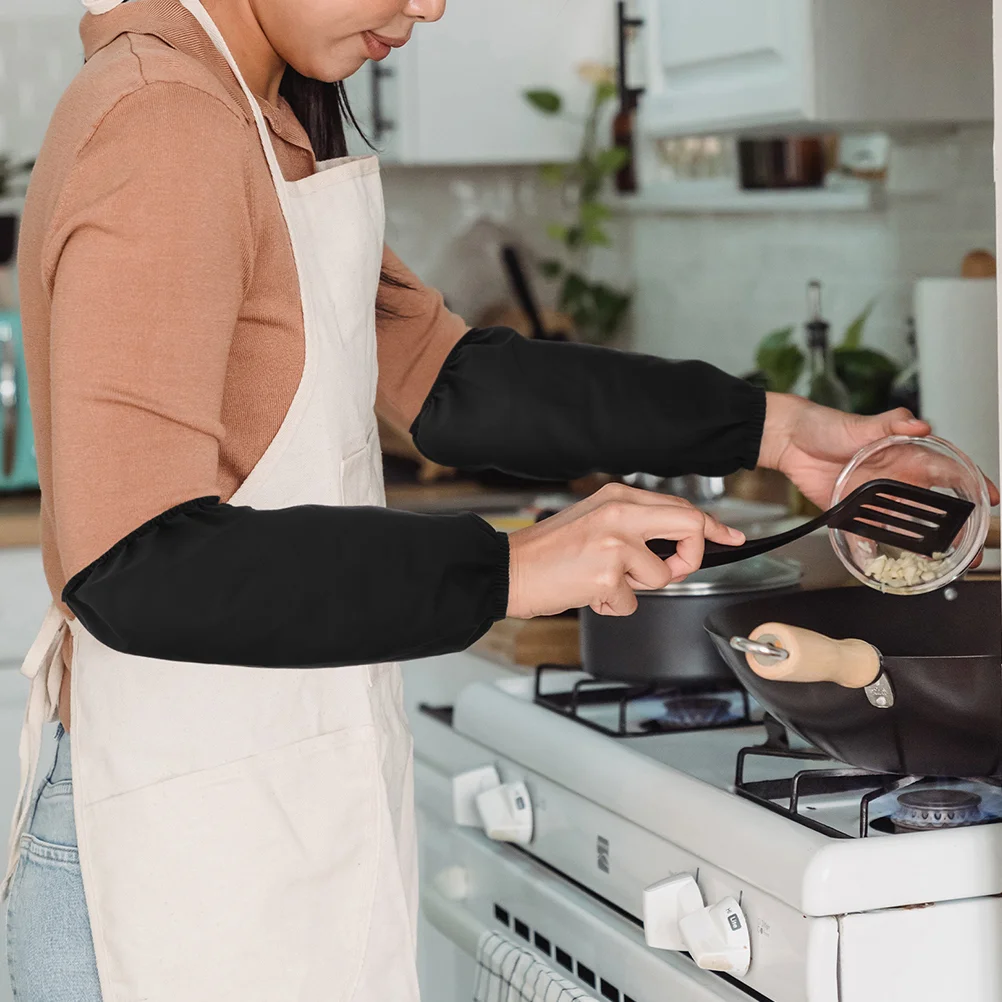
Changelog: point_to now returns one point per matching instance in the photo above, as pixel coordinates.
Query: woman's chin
(333, 69)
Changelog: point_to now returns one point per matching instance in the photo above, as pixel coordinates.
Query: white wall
(39, 55)
(711, 286)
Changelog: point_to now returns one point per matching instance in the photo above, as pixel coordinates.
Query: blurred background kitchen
(662, 176)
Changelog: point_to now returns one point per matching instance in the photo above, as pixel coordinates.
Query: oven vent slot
(545, 945)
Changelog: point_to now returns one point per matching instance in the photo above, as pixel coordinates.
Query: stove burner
(935, 807)
(635, 710)
(688, 712)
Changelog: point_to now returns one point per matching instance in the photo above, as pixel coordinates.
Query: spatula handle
(813, 657)
(718, 554)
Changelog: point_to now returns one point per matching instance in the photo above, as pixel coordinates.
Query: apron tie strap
(43, 666)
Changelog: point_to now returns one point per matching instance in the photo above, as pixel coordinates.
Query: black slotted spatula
(887, 511)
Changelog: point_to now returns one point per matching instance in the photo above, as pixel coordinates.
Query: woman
(199, 301)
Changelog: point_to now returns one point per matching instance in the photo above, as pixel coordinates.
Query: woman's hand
(811, 444)
(594, 553)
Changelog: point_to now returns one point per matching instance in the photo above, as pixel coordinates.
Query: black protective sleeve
(309, 586)
(555, 410)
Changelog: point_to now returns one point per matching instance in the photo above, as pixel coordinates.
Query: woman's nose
(425, 10)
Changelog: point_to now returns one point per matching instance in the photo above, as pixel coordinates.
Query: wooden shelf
(722, 195)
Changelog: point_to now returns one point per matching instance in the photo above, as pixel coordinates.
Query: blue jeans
(50, 953)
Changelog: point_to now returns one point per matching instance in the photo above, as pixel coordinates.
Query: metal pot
(664, 640)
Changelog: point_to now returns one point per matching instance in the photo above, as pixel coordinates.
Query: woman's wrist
(782, 411)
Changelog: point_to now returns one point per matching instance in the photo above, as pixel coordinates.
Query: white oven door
(480, 886)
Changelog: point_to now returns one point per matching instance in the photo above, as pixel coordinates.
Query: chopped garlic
(906, 570)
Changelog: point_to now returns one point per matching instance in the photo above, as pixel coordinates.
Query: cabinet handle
(380, 124)
(628, 96)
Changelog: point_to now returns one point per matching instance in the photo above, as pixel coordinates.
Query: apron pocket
(251, 881)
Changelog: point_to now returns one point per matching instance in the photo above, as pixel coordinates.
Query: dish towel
(507, 973)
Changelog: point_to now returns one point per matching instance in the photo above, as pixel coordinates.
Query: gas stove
(696, 825)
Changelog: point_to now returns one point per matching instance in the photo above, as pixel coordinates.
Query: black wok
(942, 655)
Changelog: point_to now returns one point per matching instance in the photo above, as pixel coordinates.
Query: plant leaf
(605, 90)
(593, 235)
(557, 231)
(547, 101)
(868, 375)
(854, 332)
(551, 268)
(779, 361)
(573, 293)
(773, 341)
(553, 173)
(593, 212)
(612, 160)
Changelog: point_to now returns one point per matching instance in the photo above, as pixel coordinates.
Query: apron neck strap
(100, 6)
(195, 8)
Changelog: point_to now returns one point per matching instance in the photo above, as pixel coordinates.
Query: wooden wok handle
(814, 657)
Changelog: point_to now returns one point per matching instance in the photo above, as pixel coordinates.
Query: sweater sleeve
(414, 336)
(149, 267)
(556, 410)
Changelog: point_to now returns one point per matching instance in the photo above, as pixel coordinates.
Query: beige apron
(247, 835)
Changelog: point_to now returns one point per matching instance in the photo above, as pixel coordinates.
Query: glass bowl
(924, 462)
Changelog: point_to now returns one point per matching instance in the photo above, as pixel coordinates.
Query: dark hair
(323, 109)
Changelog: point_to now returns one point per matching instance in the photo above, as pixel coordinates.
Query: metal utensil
(887, 511)
(523, 293)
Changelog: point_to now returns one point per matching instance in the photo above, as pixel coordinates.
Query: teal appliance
(18, 468)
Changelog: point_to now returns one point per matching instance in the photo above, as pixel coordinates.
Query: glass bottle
(819, 381)
(905, 388)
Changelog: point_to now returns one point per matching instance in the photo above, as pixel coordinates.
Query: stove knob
(666, 903)
(506, 813)
(718, 939)
(466, 787)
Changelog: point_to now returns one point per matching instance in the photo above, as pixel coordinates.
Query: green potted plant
(868, 374)
(597, 308)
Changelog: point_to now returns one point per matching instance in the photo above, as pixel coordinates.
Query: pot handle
(783, 653)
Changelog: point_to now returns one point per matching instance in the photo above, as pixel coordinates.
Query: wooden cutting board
(532, 642)
(19, 521)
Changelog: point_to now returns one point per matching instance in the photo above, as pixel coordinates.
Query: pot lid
(753, 574)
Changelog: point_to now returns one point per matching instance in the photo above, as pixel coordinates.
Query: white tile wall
(711, 286)
(448, 225)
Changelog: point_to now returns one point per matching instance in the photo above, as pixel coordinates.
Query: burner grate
(697, 710)
(817, 782)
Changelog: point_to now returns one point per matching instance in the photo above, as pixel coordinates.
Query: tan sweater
(162, 323)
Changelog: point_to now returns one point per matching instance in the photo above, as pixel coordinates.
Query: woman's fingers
(687, 525)
(620, 601)
(596, 553)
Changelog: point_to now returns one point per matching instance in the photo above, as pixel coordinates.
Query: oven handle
(449, 916)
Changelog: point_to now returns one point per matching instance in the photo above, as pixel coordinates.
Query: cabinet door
(374, 94)
(720, 64)
(471, 70)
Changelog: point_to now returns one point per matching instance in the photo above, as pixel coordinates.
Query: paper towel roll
(956, 323)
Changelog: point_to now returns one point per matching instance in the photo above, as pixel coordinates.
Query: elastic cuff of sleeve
(502, 581)
(753, 428)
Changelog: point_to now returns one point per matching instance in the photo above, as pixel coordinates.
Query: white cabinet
(754, 65)
(454, 94)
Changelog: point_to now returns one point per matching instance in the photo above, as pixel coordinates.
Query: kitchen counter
(19, 523)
